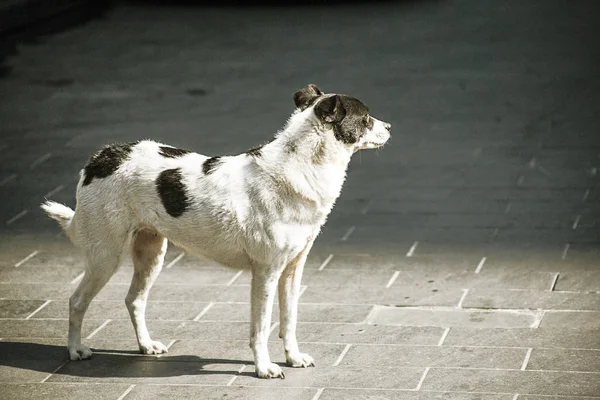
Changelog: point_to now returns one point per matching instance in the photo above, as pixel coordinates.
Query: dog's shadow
(53, 359)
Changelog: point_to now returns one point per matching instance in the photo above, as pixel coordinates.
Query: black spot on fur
(106, 161)
(172, 152)
(349, 117)
(211, 165)
(171, 191)
(304, 98)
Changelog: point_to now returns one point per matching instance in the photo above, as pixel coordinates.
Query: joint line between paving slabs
(324, 264)
(16, 217)
(54, 191)
(538, 321)
(235, 278)
(576, 222)
(422, 379)
(347, 235)
(585, 195)
(302, 290)
(8, 179)
(462, 298)
(318, 394)
(273, 327)
(443, 338)
(516, 396)
(179, 257)
(29, 257)
(480, 265)
(366, 208)
(565, 251)
(392, 279)
(171, 343)
(98, 329)
(554, 281)
(39, 309)
(55, 371)
(77, 278)
(412, 249)
(236, 375)
(526, 360)
(204, 311)
(40, 160)
(342, 355)
(126, 392)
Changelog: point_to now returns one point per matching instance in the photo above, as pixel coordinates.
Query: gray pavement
(461, 262)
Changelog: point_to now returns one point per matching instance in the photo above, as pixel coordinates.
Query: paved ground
(462, 261)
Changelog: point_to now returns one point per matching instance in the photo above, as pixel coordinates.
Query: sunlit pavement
(461, 262)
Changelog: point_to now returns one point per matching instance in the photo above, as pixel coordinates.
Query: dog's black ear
(303, 98)
(331, 109)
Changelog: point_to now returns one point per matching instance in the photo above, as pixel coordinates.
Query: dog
(260, 210)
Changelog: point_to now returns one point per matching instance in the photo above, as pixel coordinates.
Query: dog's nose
(388, 126)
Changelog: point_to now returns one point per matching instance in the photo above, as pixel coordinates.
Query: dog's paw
(79, 352)
(153, 347)
(299, 360)
(269, 370)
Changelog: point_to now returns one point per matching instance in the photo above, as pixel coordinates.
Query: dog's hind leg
(148, 253)
(289, 293)
(103, 260)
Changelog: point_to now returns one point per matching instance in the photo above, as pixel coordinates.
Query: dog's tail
(61, 213)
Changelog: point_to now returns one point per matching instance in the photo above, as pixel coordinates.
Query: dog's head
(347, 117)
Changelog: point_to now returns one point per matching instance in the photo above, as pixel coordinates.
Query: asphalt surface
(462, 261)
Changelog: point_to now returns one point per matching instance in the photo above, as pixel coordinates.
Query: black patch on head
(255, 151)
(211, 165)
(172, 152)
(348, 116)
(106, 161)
(171, 191)
(304, 98)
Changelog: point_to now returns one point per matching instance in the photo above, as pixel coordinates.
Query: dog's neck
(306, 157)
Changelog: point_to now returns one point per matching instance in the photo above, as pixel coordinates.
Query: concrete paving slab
(564, 360)
(238, 352)
(572, 319)
(434, 356)
(97, 391)
(173, 330)
(141, 369)
(555, 337)
(525, 382)
(359, 333)
(342, 394)
(308, 312)
(531, 299)
(441, 317)
(433, 277)
(220, 392)
(100, 309)
(398, 295)
(42, 328)
(18, 308)
(579, 281)
(341, 377)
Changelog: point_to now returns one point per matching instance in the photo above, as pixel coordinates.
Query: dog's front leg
(289, 293)
(264, 285)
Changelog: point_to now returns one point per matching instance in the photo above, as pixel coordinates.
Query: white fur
(258, 213)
